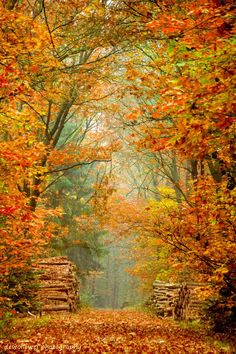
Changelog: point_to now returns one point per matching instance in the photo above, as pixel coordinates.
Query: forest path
(104, 331)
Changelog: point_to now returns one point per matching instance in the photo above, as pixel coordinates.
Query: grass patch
(194, 325)
(139, 308)
(31, 323)
(13, 327)
(225, 346)
(199, 326)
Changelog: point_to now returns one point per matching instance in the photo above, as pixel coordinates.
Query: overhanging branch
(85, 163)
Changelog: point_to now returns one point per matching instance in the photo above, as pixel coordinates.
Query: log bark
(58, 285)
(176, 300)
(57, 307)
(182, 303)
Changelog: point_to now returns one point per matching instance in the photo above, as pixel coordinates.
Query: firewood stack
(179, 301)
(182, 303)
(58, 290)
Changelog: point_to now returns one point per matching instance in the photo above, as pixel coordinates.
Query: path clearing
(99, 331)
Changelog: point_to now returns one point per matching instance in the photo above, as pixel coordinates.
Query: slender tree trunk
(114, 290)
(175, 176)
(194, 172)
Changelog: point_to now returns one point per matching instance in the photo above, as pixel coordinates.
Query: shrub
(18, 291)
(221, 312)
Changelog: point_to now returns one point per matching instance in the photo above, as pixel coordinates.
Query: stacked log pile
(58, 285)
(179, 301)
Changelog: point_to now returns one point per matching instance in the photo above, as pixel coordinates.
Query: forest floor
(105, 331)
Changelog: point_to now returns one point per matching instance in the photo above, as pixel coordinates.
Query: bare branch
(76, 165)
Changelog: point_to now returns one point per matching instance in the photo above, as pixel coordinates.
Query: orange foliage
(192, 76)
(46, 87)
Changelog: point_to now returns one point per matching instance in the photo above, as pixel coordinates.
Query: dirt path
(104, 332)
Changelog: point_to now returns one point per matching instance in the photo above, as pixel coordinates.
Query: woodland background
(118, 147)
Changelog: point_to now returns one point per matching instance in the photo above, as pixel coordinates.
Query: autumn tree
(189, 85)
(55, 59)
(83, 242)
(179, 79)
(20, 148)
(23, 232)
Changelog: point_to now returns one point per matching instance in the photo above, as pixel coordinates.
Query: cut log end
(58, 288)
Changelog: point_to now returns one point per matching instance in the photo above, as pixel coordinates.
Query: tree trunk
(182, 303)
(194, 172)
(175, 176)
